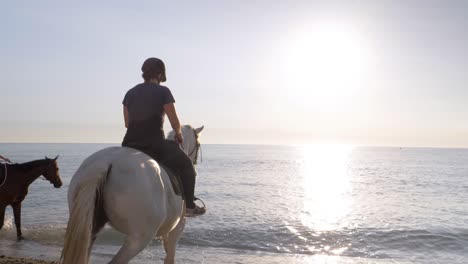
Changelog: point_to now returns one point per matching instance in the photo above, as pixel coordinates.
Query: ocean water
(282, 204)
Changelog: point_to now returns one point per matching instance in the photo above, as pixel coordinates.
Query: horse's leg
(17, 215)
(99, 221)
(133, 245)
(2, 214)
(170, 241)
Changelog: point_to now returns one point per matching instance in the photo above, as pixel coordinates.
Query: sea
(281, 204)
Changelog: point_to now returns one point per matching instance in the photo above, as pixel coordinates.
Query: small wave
(54, 234)
(358, 242)
(368, 243)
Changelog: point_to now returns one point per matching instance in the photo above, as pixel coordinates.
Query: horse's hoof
(20, 238)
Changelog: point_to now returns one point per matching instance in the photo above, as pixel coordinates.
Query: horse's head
(191, 144)
(52, 172)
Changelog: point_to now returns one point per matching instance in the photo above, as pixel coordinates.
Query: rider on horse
(145, 107)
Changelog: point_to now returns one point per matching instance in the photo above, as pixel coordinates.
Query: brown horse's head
(52, 172)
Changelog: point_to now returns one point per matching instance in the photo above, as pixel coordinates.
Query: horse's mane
(30, 165)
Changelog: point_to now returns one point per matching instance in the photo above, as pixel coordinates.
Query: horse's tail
(78, 237)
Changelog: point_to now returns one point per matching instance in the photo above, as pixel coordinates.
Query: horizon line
(265, 144)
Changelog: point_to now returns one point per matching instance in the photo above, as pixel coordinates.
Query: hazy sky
(260, 72)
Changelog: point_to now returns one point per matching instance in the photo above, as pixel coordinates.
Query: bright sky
(257, 72)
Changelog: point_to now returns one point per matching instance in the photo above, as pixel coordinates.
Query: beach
(11, 260)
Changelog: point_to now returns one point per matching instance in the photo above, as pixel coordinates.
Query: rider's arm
(125, 112)
(171, 113)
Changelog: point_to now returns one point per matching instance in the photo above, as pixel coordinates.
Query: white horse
(128, 189)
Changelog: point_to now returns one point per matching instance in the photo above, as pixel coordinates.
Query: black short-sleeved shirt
(145, 103)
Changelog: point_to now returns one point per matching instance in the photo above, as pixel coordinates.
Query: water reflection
(327, 186)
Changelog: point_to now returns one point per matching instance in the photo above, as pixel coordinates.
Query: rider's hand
(179, 138)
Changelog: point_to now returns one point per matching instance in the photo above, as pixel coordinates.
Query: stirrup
(191, 212)
(196, 198)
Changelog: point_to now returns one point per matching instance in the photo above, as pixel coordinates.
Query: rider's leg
(173, 157)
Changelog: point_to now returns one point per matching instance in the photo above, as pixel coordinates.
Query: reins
(197, 147)
(6, 175)
(201, 154)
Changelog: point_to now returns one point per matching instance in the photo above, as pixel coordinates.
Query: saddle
(175, 181)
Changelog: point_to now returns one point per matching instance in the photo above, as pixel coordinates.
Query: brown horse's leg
(17, 214)
(2, 214)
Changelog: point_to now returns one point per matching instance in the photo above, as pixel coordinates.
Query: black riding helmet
(152, 68)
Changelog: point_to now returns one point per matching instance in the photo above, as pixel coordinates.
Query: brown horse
(15, 180)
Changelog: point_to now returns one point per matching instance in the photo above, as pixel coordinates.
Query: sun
(326, 63)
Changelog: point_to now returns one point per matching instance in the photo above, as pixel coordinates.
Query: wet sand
(10, 260)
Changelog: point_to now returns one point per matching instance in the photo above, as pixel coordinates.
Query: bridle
(196, 148)
(51, 164)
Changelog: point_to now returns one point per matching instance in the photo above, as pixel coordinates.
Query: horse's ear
(56, 157)
(46, 157)
(198, 130)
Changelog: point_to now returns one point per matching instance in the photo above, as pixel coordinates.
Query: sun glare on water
(326, 186)
(326, 64)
